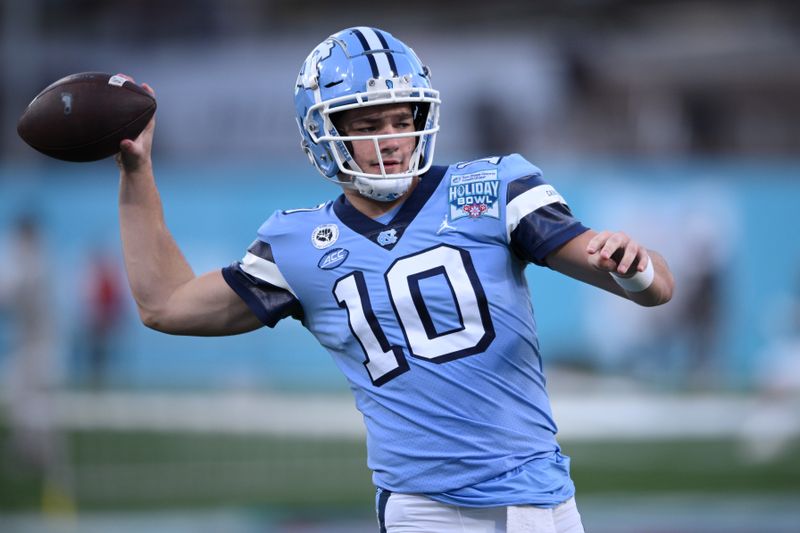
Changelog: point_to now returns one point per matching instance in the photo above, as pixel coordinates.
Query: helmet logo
(310, 70)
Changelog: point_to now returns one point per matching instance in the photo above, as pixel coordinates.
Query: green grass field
(148, 470)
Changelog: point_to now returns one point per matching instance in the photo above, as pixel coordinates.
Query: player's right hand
(134, 154)
(618, 253)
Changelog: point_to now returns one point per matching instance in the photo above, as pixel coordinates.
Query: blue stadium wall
(746, 208)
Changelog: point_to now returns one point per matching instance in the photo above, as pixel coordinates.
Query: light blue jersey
(429, 317)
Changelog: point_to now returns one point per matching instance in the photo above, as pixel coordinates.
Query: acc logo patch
(474, 195)
(333, 259)
(324, 236)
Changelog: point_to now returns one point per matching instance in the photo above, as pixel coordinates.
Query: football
(83, 117)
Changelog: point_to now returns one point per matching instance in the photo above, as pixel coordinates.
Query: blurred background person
(104, 304)
(770, 428)
(26, 298)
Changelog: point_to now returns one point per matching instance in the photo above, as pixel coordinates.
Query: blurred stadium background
(679, 121)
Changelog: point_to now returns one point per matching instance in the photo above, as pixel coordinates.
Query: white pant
(413, 513)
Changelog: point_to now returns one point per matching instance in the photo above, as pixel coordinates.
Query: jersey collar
(388, 235)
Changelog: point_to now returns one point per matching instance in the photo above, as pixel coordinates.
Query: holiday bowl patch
(474, 195)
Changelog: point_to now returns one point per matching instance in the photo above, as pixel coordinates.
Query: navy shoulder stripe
(523, 184)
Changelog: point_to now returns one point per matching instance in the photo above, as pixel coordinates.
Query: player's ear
(338, 120)
(420, 112)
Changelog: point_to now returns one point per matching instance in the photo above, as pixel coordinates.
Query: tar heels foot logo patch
(474, 195)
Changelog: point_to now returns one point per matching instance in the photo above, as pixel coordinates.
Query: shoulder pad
(274, 225)
(509, 167)
(289, 221)
(515, 166)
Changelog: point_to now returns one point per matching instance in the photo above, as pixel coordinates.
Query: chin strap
(381, 189)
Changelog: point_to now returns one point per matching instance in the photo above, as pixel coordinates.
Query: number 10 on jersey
(448, 265)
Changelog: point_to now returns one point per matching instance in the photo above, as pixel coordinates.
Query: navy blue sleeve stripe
(261, 249)
(521, 185)
(268, 302)
(556, 241)
(544, 230)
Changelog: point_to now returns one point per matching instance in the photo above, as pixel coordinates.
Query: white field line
(593, 416)
(232, 413)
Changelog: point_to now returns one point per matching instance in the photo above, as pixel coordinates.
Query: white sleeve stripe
(528, 202)
(266, 271)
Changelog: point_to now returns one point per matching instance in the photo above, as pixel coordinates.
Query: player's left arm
(593, 257)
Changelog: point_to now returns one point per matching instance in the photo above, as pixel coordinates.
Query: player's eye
(362, 128)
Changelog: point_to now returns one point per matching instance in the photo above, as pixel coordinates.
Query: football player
(413, 280)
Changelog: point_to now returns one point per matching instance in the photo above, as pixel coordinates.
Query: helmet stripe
(389, 56)
(378, 49)
(370, 57)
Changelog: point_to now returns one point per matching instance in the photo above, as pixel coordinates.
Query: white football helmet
(360, 67)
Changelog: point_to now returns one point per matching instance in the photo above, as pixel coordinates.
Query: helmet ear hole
(308, 152)
(336, 119)
(421, 115)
